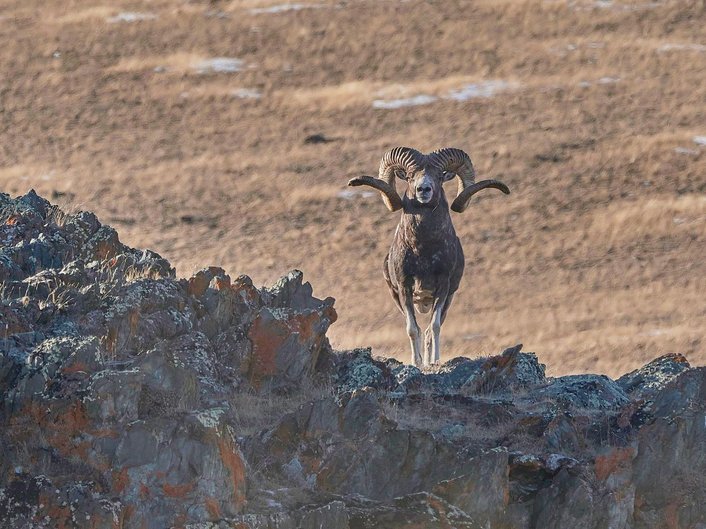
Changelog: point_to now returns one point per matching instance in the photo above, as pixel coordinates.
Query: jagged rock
(484, 491)
(353, 448)
(513, 370)
(130, 398)
(286, 344)
(111, 378)
(415, 510)
(650, 378)
(595, 392)
(670, 463)
(357, 369)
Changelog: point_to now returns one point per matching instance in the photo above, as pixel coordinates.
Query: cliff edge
(130, 398)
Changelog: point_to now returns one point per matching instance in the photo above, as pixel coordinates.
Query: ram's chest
(426, 264)
(422, 265)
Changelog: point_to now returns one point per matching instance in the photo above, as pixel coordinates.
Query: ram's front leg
(413, 330)
(432, 345)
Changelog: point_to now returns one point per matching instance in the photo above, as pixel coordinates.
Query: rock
(286, 345)
(484, 491)
(595, 392)
(357, 370)
(652, 377)
(670, 464)
(333, 515)
(353, 448)
(454, 374)
(415, 510)
(513, 370)
(130, 398)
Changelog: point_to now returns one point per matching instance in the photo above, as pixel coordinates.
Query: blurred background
(224, 132)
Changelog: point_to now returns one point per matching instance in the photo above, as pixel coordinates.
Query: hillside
(224, 132)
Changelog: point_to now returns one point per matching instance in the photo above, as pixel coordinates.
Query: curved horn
(460, 203)
(389, 195)
(404, 158)
(458, 162)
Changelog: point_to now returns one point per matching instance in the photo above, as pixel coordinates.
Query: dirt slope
(596, 258)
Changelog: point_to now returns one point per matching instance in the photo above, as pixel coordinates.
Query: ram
(424, 266)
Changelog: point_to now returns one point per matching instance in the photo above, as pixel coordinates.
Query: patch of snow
(481, 89)
(246, 93)
(609, 4)
(473, 90)
(219, 65)
(281, 8)
(216, 14)
(602, 80)
(640, 7)
(681, 47)
(653, 332)
(685, 150)
(349, 194)
(422, 99)
(700, 140)
(130, 16)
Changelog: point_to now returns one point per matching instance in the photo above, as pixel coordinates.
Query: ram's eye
(401, 173)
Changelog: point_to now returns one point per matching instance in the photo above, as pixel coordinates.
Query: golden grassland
(596, 260)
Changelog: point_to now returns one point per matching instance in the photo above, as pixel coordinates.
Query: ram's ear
(447, 175)
(400, 173)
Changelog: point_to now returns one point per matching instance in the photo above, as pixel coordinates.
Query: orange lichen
(213, 509)
(671, 515)
(440, 508)
(267, 337)
(105, 433)
(144, 491)
(60, 516)
(133, 320)
(233, 461)
(618, 458)
(121, 480)
(222, 283)
(177, 491)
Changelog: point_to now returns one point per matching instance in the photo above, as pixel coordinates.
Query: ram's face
(425, 185)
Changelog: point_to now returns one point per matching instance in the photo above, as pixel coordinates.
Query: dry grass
(596, 261)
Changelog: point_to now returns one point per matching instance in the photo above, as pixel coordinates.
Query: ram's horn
(399, 158)
(458, 162)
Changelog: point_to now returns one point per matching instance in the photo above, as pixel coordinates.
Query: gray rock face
(132, 399)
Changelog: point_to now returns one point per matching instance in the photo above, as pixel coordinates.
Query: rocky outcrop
(130, 398)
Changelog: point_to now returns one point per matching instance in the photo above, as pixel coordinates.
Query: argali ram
(424, 266)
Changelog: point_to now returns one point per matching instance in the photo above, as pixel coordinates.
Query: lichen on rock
(131, 398)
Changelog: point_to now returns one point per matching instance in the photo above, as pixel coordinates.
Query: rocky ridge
(130, 398)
